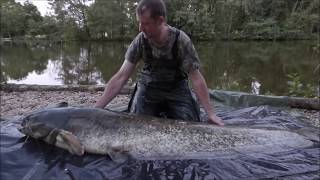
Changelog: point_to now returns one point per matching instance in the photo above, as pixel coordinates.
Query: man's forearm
(201, 90)
(111, 90)
(115, 84)
(202, 93)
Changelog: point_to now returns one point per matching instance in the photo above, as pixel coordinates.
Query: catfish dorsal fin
(70, 142)
(58, 105)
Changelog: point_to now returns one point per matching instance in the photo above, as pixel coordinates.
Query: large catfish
(92, 130)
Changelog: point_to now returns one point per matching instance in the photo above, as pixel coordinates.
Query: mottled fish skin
(105, 132)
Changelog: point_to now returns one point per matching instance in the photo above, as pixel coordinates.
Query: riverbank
(20, 100)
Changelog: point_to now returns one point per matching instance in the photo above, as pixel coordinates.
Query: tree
(33, 19)
(19, 20)
(12, 19)
(200, 19)
(111, 19)
(72, 10)
(50, 27)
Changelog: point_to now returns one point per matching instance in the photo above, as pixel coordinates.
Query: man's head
(151, 15)
(156, 7)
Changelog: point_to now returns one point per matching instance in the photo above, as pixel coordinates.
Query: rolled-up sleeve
(188, 54)
(134, 51)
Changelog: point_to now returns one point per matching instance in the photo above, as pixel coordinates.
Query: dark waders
(162, 89)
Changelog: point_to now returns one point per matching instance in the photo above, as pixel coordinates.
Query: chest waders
(162, 88)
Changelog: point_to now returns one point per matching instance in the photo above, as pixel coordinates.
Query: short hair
(157, 8)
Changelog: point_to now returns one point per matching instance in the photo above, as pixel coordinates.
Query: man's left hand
(215, 119)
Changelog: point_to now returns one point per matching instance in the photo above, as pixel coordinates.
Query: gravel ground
(22, 103)
(313, 116)
(19, 103)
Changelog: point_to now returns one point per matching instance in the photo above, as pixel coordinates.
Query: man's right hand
(115, 84)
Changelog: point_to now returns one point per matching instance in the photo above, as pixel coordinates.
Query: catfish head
(33, 126)
(40, 124)
(48, 126)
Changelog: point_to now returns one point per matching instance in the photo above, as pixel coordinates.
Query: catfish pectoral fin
(70, 142)
(119, 154)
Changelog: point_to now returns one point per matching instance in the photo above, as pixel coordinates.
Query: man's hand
(215, 119)
(115, 84)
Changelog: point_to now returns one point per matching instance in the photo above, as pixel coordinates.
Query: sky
(42, 6)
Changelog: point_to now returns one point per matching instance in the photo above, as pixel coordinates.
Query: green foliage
(11, 65)
(298, 89)
(72, 14)
(20, 20)
(12, 19)
(33, 19)
(49, 27)
(200, 19)
(111, 19)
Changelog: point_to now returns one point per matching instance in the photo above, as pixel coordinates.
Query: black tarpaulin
(28, 159)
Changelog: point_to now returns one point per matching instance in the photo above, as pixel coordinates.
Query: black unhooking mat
(29, 159)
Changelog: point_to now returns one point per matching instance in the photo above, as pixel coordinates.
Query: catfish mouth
(23, 127)
(33, 129)
(25, 130)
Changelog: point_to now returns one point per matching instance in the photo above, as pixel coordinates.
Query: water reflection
(235, 65)
(48, 77)
(18, 62)
(78, 66)
(225, 65)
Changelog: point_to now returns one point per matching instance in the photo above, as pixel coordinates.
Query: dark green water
(225, 65)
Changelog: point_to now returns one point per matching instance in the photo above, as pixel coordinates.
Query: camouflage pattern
(186, 50)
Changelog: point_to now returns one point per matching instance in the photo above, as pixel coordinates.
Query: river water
(277, 68)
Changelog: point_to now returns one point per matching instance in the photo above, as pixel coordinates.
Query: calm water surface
(236, 66)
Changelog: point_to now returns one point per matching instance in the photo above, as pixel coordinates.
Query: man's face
(148, 25)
